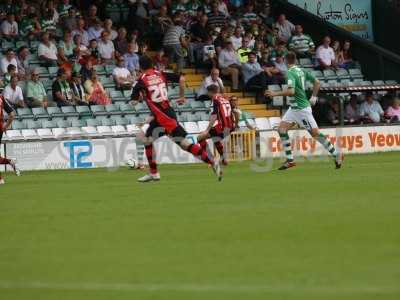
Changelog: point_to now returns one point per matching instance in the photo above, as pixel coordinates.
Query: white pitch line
(221, 288)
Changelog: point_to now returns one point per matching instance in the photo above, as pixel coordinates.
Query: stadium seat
(141, 107)
(24, 113)
(132, 128)
(192, 118)
(49, 124)
(18, 125)
(14, 134)
(118, 129)
(43, 72)
(55, 112)
(366, 83)
(39, 112)
(98, 110)
(69, 111)
(274, 122)
(47, 84)
(127, 108)
(343, 74)
(92, 122)
(112, 109)
(107, 82)
(109, 69)
(74, 131)
(53, 72)
(31, 124)
(184, 107)
(356, 74)
(63, 123)
(104, 129)
(45, 133)
(78, 123)
(317, 74)
(120, 120)
(329, 74)
(117, 96)
(107, 122)
(391, 82)
(378, 82)
(202, 125)
(191, 127)
(90, 130)
(83, 110)
(262, 123)
(204, 116)
(100, 70)
(182, 118)
(29, 133)
(58, 132)
(197, 105)
(306, 63)
(274, 87)
(134, 119)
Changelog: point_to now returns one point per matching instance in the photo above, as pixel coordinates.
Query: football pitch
(309, 233)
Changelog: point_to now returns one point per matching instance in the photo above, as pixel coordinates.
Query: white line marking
(221, 288)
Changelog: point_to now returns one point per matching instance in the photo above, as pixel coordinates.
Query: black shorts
(156, 131)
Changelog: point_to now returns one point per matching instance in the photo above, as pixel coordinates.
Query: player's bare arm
(285, 93)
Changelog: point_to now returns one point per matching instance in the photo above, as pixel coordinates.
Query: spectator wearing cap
(36, 95)
(9, 27)
(95, 30)
(122, 77)
(9, 59)
(47, 51)
(82, 32)
(285, 28)
(131, 59)
(301, 43)
(78, 91)
(62, 93)
(175, 43)
(370, 110)
(23, 62)
(326, 58)
(212, 79)
(244, 50)
(13, 93)
(106, 48)
(230, 64)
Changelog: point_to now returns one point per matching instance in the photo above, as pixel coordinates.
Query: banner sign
(95, 153)
(352, 15)
(349, 140)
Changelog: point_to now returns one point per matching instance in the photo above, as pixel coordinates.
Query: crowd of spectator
(238, 40)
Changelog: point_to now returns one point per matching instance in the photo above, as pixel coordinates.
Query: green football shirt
(296, 79)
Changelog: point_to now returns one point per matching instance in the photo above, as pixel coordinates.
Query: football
(131, 163)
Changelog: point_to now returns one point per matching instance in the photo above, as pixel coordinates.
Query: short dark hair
(145, 62)
(11, 67)
(213, 88)
(291, 58)
(22, 48)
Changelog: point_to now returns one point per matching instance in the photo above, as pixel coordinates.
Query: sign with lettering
(352, 15)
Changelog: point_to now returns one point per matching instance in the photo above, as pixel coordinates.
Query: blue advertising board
(352, 15)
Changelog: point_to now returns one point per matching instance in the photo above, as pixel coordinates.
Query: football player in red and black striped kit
(222, 122)
(152, 88)
(6, 107)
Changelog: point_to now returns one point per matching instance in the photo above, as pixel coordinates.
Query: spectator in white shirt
(13, 93)
(326, 58)
(370, 110)
(122, 77)
(47, 51)
(236, 38)
(9, 59)
(106, 47)
(213, 79)
(285, 28)
(230, 64)
(9, 28)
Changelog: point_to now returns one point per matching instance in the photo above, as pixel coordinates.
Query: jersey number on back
(158, 92)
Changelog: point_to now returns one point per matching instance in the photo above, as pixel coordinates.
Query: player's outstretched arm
(285, 93)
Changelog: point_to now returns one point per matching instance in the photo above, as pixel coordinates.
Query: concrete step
(265, 113)
(253, 107)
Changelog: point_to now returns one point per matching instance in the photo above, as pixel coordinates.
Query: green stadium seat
(107, 122)
(40, 112)
(343, 74)
(392, 82)
(47, 83)
(69, 111)
(141, 107)
(203, 116)
(127, 108)
(184, 107)
(24, 113)
(329, 74)
(6, 44)
(119, 120)
(55, 112)
(356, 74)
(182, 118)
(317, 74)
(49, 124)
(93, 122)
(107, 82)
(43, 72)
(112, 109)
(63, 123)
(197, 105)
(134, 119)
(31, 124)
(98, 110)
(78, 123)
(306, 63)
(100, 70)
(378, 82)
(83, 110)
(53, 72)
(192, 118)
(109, 69)
(18, 125)
(127, 94)
(117, 96)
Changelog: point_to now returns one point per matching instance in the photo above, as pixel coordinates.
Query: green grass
(309, 233)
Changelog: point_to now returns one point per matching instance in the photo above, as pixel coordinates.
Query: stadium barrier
(113, 151)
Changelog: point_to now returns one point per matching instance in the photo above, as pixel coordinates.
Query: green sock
(327, 144)
(287, 147)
